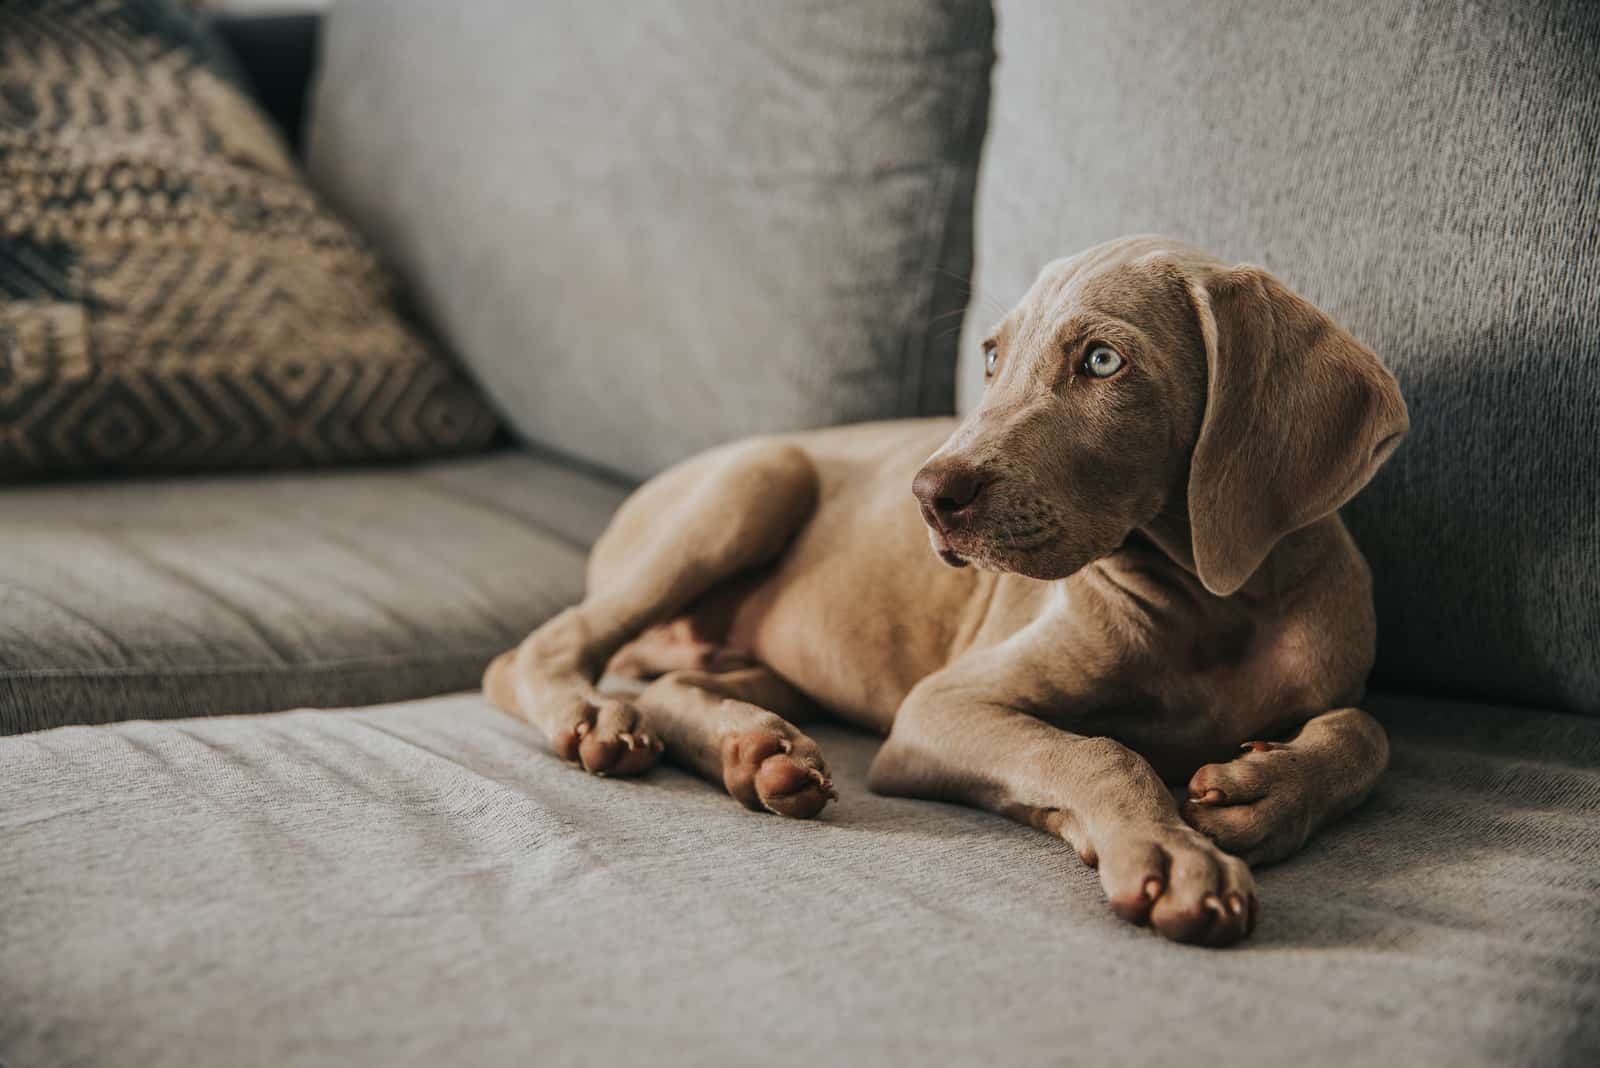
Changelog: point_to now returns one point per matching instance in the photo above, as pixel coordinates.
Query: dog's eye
(1103, 361)
(991, 357)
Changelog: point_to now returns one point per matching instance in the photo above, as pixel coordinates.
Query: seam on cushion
(11, 585)
(256, 669)
(45, 700)
(192, 582)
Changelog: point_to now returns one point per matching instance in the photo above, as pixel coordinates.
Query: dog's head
(1143, 379)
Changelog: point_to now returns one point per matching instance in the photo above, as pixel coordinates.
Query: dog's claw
(607, 738)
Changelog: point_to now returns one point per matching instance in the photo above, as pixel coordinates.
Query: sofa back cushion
(1425, 172)
(650, 228)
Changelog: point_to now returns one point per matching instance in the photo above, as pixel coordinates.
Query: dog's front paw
(1175, 880)
(778, 770)
(605, 736)
(1262, 805)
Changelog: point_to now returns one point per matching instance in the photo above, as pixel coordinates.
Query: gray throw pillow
(649, 228)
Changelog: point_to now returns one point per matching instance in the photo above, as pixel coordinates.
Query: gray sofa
(252, 812)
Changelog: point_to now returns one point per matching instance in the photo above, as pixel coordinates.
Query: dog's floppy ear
(1299, 415)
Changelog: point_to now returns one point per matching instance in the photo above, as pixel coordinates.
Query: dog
(1138, 576)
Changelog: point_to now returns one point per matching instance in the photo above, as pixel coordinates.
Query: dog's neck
(1169, 533)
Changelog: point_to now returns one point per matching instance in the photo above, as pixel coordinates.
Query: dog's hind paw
(772, 771)
(608, 737)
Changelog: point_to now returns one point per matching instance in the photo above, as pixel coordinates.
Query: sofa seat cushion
(179, 597)
(424, 884)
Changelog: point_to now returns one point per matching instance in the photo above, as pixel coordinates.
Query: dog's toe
(607, 737)
(769, 770)
(1178, 882)
(1207, 897)
(1259, 806)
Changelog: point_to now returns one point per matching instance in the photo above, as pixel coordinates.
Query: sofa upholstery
(1424, 171)
(175, 597)
(424, 884)
(756, 214)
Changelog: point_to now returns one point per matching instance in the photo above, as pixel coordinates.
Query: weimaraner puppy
(1159, 590)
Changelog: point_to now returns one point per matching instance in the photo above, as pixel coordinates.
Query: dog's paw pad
(607, 737)
(1176, 881)
(766, 770)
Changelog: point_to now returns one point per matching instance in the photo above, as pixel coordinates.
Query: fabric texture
(172, 296)
(424, 885)
(175, 597)
(1422, 170)
(651, 228)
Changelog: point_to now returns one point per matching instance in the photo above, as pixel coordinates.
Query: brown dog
(1147, 491)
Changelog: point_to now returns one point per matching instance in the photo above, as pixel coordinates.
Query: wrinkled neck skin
(1162, 550)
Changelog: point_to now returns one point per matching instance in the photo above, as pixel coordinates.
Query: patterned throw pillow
(172, 296)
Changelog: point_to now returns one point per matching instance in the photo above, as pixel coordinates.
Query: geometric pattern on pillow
(172, 295)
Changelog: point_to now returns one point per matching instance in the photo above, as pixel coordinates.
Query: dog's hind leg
(736, 728)
(681, 534)
(1267, 801)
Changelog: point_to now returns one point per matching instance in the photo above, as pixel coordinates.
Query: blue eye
(991, 357)
(1103, 361)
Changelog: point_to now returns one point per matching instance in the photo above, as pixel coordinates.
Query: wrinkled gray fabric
(174, 597)
(1425, 171)
(649, 228)
(422, 885)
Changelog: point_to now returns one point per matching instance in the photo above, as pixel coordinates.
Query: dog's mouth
(1005, 550)
(943, 549)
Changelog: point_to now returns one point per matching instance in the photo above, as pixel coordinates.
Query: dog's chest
(1176, 682)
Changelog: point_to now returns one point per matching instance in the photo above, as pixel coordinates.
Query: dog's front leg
(952, 741)
(1267, 801)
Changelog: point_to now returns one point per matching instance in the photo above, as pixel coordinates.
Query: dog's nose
(947, 492)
